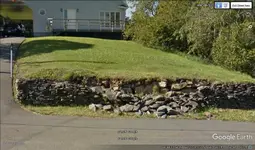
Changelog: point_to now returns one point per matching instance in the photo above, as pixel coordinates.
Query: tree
(155, 22)
(17, 5)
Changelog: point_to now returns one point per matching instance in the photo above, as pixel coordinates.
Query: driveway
(23, 130)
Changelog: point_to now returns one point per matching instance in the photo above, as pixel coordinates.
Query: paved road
(22, 130)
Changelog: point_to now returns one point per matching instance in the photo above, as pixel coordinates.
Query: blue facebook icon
(218, 5)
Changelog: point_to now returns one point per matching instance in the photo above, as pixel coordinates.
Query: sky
(129, 10)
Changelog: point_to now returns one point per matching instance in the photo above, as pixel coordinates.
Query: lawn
(7, 11)
(217, 114)
(60, 57)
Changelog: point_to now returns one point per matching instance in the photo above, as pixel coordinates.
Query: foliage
(10, 11)
(185, 26)
(156, 27)
(235, 47)
(203, 25)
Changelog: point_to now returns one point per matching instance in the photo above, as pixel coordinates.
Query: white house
(77, 15)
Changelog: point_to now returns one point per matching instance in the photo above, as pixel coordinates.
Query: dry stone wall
(161, 97)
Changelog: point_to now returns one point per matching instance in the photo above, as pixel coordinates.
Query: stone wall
(166, 97)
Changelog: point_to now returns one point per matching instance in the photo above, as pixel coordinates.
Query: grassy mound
(61, 57)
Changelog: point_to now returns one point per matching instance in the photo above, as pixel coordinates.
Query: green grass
(224, 114)
(79, 111)
(218, 114)
(7, 11)
(61, 57)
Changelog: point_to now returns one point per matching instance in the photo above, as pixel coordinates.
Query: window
(42, 12)
(65, 18)
(112, 19)
(118, 19)
(102, 18)
(109, 19)
(65, 14)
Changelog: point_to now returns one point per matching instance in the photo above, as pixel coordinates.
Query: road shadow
(4, 72)
(38, 47)
(5, 51)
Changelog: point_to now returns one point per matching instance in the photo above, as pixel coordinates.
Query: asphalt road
(22, 130)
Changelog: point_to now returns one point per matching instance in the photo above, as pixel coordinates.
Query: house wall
(88, 9)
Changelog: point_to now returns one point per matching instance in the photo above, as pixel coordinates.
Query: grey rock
(144, 109)
(126, 97)
(149, 102)
(154, 106)
(96, 96)
(230, 96)
(17, 81)
(148, 112)
(137, 103)
(184, 109)
(193, 95)
(109, 94)
(116, 88)
(160, 102)
(164, 109)
(136, 107)
(135, 99)
(93, 107)
(178, 86)
(153, 110)
(164, 90)
(60, 84)
(175, 98)
(184, 99)
(171, 93)
(127, 108)
(139, 113)
(117, 95)
(192, 104)
(162, 84)
(159, 98)
(190, 82)
(97, 89)
(173, 112)
(147, 97)
(159, 114)
(164, 116)
(99, 106)
(173, 116)
(131, 103)
(107, 107)
(205, 90)
(174, 104)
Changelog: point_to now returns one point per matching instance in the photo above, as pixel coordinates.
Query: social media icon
(225, 5)
(222, 5)
(218, 5)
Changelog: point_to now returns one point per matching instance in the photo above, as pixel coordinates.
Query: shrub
(235, 48)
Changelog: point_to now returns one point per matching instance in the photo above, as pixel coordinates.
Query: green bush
(235, 47)
(159, 30)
